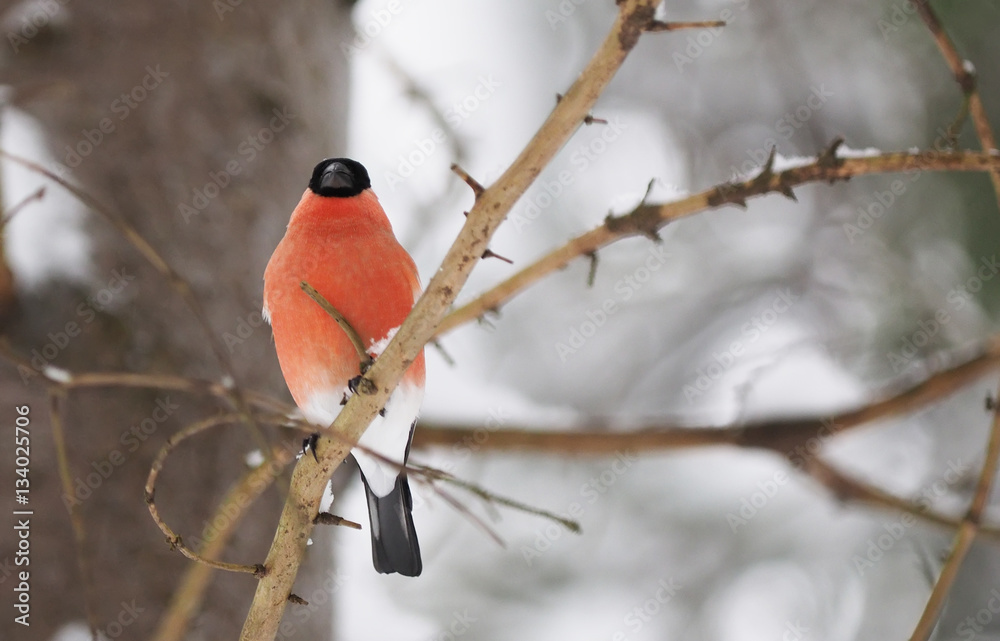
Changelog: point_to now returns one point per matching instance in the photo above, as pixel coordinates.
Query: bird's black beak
(337, 176)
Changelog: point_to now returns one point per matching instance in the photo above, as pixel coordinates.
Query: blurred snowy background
(816, 306)
(822, 299)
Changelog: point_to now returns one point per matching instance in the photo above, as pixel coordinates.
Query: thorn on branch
(477, 188)
(484, 322)
(657, 26)
(828, 159)
(991, 403)
(767, 171)
(296, 599)
(589, 119)
(174, 542)
(641, 220)
(728, 193)
(649, 190)
(309, 443)
(489, 253)
(762, 181)
(443, 352)
(593, 268)
(326, 518)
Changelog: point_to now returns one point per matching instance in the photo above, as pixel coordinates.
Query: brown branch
(174, 279)
(310, 477)
(966, 535)
(352, 335)
(965, 76)
(56, 398)
(656, 25)
(785, 437)
(847, 488)
(646, 219)
(187, 599)
(173, 539)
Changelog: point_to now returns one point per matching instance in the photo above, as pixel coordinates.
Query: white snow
(46, 239)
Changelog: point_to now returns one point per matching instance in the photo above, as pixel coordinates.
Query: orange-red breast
(339, 241)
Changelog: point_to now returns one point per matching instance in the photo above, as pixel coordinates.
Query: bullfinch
(339, 240)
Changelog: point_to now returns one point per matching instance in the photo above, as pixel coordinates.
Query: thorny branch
(647, 219)
(309, 477)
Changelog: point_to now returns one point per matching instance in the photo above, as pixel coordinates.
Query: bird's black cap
(339, 178)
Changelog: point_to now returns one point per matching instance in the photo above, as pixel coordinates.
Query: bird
(339, 241)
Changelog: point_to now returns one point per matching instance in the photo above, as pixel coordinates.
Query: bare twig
(476, 187)
(440, 475)
(657, 25)
(56, 398)
(309, 477)
(783, 436)
(359, 346)
(645, 219)
(38, 194)
(965, 76)
(187, 598)
(175, 280)
(173, 539)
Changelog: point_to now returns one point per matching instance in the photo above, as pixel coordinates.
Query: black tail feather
(394, 540)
